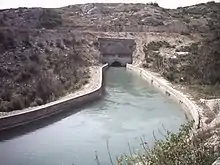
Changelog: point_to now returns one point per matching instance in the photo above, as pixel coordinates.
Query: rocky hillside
(140, 17)
(115, 17)
(195, 64)
(45, 53)
(38, 65)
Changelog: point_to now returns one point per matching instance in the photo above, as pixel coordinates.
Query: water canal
(130, 109)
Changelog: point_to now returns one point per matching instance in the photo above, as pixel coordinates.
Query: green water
(130, 109)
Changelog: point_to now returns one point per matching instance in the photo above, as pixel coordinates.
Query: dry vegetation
(38, 66)
(50, 19)
(198, 68)
(181, 148)
(36, 72)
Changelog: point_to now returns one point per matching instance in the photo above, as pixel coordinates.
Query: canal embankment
(164, 86)
(192, 107)
(90, 92)
(207, 133)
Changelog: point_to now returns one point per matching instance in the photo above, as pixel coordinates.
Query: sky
(59, 3)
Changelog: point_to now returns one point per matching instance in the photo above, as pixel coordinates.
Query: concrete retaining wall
(27, 116)
(165, 87)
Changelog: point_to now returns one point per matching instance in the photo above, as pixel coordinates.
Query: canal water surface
(131, 109)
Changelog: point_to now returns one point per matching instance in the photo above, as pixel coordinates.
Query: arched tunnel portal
(116, 52)
(116, 64)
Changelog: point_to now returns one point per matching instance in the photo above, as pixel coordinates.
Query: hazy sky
(58, 3)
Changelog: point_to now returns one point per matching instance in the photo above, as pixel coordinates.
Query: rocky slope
(115, 17)
(44, 53)
(38, 65)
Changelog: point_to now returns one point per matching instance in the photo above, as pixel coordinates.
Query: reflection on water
(130, 109)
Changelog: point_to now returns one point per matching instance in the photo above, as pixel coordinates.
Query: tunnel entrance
(116, 51)
(116, 64)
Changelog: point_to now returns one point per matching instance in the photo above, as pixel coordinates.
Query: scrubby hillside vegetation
(182, 148)
(196, 64)
(38, 65)
(115, 17)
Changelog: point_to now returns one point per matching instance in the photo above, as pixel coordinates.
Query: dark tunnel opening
(116, 64)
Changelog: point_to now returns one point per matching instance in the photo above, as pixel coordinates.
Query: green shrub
(156, 45)
(50, 19)
(36, 102)
(211, 3)
(17, 102)
(154, 4)
(169, 76)
(22, 76)
(5, 95)
(177, 149)
(4, 106)
(46, 87)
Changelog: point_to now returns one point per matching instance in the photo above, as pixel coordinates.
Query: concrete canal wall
(164, 86)
(91, 92)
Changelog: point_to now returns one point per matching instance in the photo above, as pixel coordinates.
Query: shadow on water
(35, 125)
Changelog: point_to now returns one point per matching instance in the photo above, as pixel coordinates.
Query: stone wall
(25, 116)
(190, 108)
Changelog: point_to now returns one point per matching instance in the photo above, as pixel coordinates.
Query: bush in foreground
(177, 149)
